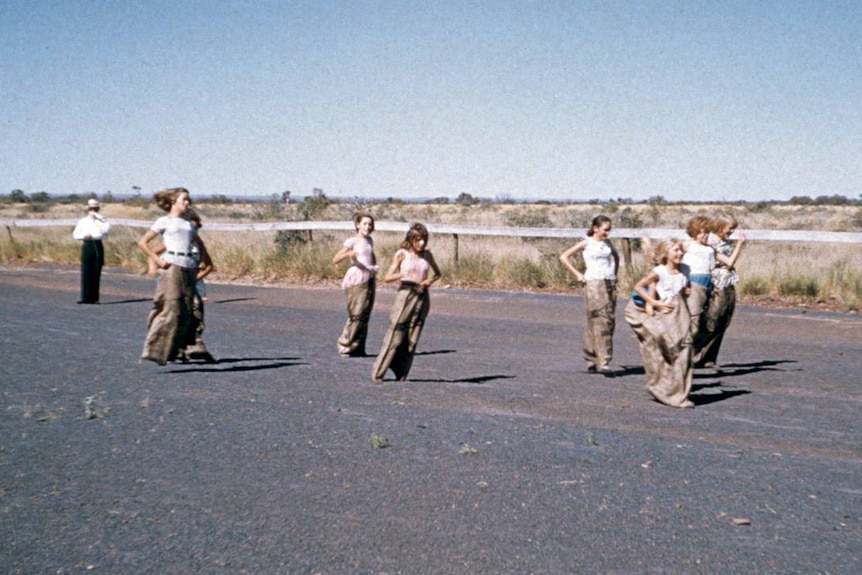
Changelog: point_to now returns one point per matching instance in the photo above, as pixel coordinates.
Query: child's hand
(649, 309)
(665, 307)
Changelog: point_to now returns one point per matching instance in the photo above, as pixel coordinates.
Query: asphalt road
(500, 454)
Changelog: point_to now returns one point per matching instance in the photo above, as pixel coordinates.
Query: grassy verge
(790, 273)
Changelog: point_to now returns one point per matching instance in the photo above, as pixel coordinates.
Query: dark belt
(183, 254)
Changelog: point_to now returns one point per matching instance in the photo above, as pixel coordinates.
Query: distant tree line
(318, 200)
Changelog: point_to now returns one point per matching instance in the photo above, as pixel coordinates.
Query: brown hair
(698, 224)
(193, 216)
(357, 219)
(166, 198)
(416, 231)
(598, 222)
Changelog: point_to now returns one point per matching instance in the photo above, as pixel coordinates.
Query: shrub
(798, 287)
(753, 286)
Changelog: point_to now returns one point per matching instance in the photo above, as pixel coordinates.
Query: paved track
(504, 455)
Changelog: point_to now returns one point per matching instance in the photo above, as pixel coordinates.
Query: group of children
(679, 311)
(415, 268)
(181, 262)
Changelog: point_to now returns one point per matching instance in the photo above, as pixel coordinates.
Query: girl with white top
(600, 291)
(170, 325)
(359, 284)
(701, 258)
(722, 303)
(411, 266)
(661, 321)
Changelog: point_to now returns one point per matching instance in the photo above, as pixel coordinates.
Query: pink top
(364, 266)
(414, 268)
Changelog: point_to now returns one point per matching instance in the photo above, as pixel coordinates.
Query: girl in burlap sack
(722, 303)
(359, 284)
(412, 265)
(701, 258)
(600, 292)
(658, 314)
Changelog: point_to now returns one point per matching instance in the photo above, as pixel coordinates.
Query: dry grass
(789, 272)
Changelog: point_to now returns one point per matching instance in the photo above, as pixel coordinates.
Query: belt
(180, 254)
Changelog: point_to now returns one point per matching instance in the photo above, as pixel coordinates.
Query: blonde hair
(166, 198)
(658, 252)
(721, 221)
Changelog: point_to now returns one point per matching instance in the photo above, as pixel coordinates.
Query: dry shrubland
(797, 273)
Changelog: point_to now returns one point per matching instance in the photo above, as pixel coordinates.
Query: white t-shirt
(178, 235)
(598, 257)
(699, 258)
(669, 284)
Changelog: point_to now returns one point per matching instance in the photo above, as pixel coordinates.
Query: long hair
(166, 198)
(416, 231)
(598, 222)
(658, 252)
(721, 221)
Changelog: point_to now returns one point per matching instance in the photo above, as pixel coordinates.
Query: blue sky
(712, 100)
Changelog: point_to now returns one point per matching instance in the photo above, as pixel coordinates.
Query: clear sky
(689, 99)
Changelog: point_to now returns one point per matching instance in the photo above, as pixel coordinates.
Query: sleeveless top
(414, 269)
(598, 257)
(699, 258)
(669, 284)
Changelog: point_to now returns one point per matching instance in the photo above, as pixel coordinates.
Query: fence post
(455, 237)
(627, 257)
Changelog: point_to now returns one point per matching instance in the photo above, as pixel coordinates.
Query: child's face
(365, 226)
(701, 237)
(727, 231)
(601, 232)
(182, 202)
(674, 254)
(418, 245)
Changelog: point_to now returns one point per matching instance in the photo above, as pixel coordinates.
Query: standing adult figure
(659, 316)
(359, 285)
(722, 303)
(90, 230)
(412, 265)
(170, 327)
(600, 291)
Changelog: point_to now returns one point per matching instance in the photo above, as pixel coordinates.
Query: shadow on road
(737, 369)
(201, 369)
(436, 352)
(234, 300)
(707, 398)
(479, 379)
(136, 300)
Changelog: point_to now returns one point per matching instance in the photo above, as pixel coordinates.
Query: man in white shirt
(90, 230)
